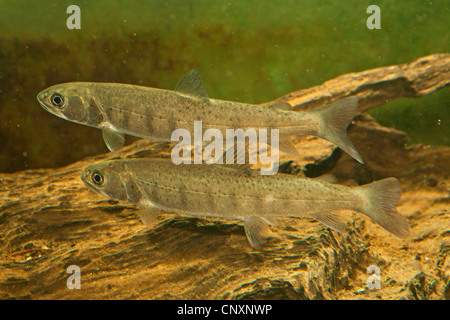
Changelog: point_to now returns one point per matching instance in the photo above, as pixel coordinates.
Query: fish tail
(334, 120)
(380, 199)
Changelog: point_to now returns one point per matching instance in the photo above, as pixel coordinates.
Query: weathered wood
(377, 86)
(49, 220)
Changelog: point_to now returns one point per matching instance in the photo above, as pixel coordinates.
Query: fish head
(73, 101)
(112, 179)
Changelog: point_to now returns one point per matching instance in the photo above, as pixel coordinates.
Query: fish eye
(97, 178)
(57, 100)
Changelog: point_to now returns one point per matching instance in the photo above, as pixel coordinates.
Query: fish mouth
(41, 95)
(41, 99)
(85, 178)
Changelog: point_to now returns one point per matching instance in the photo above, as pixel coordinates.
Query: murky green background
(248, 50)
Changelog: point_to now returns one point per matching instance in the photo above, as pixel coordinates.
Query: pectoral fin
(114, 140)
(257, 230)
(147, 213)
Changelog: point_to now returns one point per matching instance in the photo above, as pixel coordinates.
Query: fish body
(154, 113)
(234, 193)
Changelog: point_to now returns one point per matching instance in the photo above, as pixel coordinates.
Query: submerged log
(377, 86)
(49, 221)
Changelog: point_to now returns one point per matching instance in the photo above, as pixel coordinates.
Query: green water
(252, 51)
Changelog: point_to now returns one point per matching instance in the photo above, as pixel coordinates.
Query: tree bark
(49, 221)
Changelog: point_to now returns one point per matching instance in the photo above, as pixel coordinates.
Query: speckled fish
(151, 113)
(234, 193)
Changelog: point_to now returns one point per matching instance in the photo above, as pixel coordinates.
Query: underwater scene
(225, 150)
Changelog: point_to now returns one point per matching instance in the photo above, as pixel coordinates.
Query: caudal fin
(334, 119)
(381, 197)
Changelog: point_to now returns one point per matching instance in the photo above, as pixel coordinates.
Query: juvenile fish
(234, 193)
(151, 113)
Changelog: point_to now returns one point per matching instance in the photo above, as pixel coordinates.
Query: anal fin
(331, 220)
(257, 230)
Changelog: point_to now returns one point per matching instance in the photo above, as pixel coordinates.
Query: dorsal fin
(279, 105)
(238, 163)
(238, 159)
(192, 85)
(287, 146)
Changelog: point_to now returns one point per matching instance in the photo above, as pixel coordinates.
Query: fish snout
(85, 174)
(41, 96)
(42, 99)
